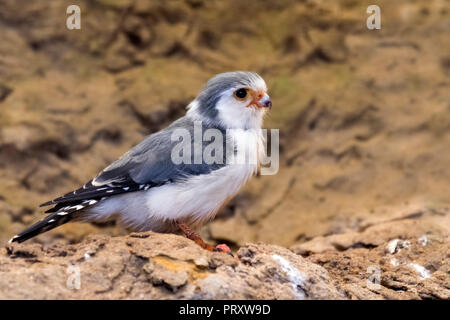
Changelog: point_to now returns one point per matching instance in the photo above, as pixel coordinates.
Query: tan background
(364, 116)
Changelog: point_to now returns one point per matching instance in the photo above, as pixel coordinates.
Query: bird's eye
(241, 93)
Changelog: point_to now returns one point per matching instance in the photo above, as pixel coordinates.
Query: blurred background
(364, 115)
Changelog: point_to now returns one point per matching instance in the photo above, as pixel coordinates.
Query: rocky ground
(377, 263)
(159, 266)
(365, 144)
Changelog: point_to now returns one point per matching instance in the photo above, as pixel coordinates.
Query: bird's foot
(192, 235)
(222, 248)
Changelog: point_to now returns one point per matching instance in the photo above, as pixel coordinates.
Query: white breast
(195, 200)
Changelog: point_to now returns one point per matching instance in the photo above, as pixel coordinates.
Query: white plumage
(195, 200)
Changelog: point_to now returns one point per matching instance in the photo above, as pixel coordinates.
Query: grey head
(233, 93)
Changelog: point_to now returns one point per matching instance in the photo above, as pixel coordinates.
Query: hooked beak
(265, 101)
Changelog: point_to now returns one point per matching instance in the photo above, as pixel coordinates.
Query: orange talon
(222, 248)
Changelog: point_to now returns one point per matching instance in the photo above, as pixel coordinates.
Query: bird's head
(232, 100)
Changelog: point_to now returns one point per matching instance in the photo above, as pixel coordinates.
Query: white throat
(230, 115)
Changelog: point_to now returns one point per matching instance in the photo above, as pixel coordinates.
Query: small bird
(146, 189)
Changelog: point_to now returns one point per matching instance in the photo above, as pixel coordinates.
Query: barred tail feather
(51, 221)
(55, 219)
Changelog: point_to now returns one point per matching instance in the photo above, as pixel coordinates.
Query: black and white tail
(69, 206)
(49, 222)
(61, 216)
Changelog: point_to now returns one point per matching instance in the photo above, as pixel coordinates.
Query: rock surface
(159, 266)
(406, 257)
(380, 262)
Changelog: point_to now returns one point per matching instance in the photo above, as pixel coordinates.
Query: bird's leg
(194, 236)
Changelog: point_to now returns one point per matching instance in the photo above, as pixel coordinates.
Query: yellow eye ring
(241, 94)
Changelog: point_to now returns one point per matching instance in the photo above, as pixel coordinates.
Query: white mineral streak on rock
(423, 273)
(397, 245)
(296, 277)
(423, 240)
(392, 246)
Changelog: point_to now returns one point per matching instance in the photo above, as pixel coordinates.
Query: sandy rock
(422, 225)
(386, 262)
(158, 266)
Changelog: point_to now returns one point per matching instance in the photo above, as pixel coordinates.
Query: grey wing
(151, 160)
(146, 165)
